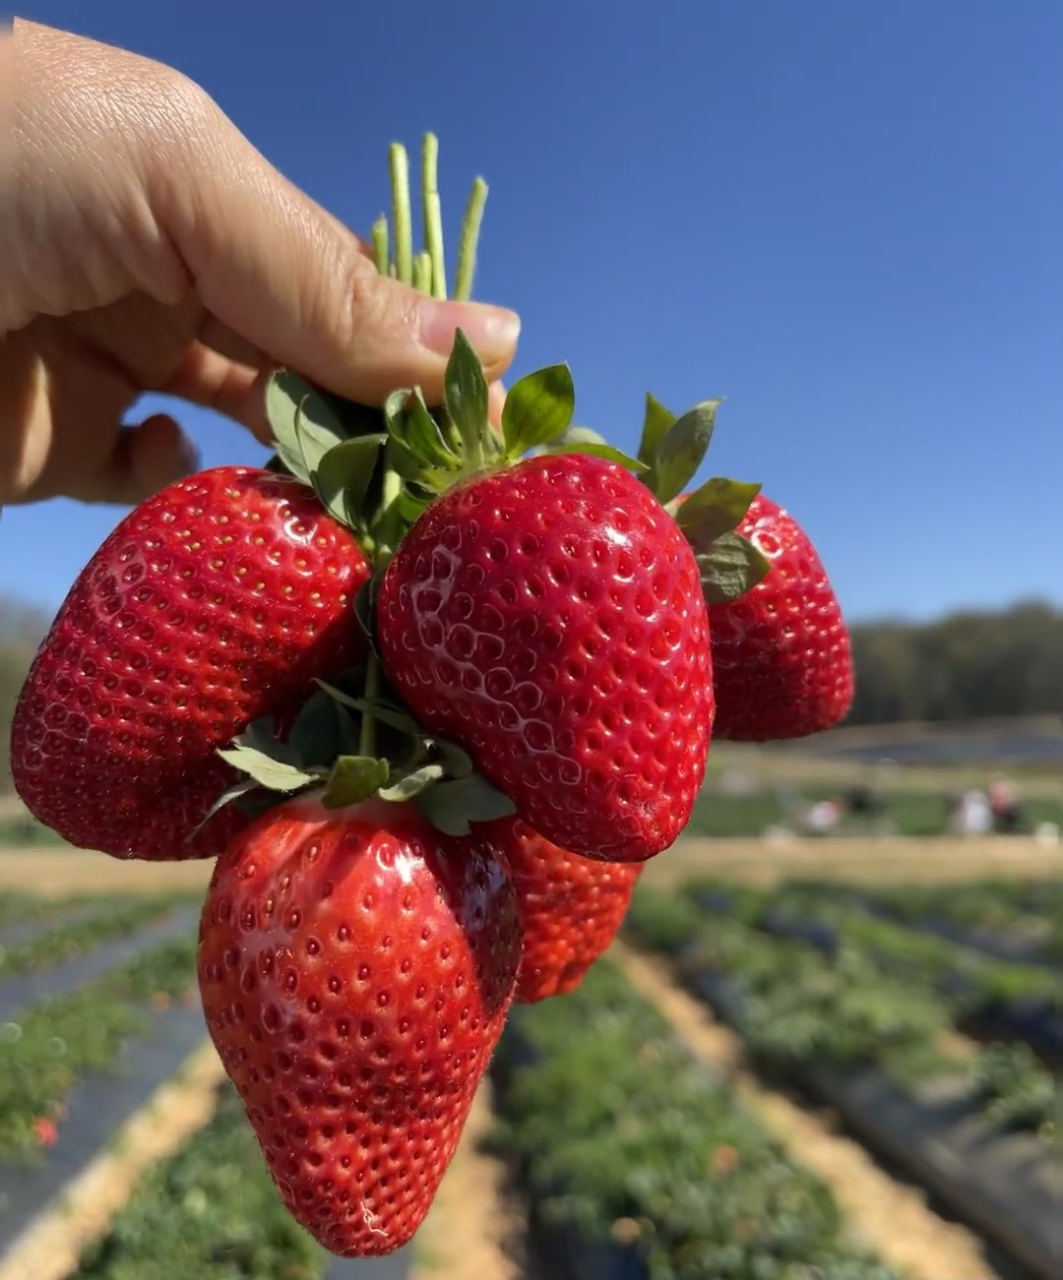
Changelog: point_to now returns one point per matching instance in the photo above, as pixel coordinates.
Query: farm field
(927, 1018)
(765, 1004)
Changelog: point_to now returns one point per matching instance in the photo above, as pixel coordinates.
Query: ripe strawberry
(780, 653)
(215, 602)
(570, 909)
(356, 967)
(549, 618)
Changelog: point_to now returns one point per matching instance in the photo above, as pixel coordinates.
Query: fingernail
(492, 331)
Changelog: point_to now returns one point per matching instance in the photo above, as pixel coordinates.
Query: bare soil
(60, 871)
(889, 1217)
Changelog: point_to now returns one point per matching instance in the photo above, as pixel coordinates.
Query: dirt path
(889, 1217)
(60, 871)
(50, 1248)
(896, 860)
(473, 1229)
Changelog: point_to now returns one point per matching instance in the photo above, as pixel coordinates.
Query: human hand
(145, 245)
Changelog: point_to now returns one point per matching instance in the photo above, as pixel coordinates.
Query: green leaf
(354, 779)
(581, 435)
(261, 737)
(716, 507)
(413, 783)
(456, 762)
(341, 477)
(266, 771)
(232, 793)
(304, 421)
(538, 408)
(465, 393)
(656, 421)
(606, 451)
(400, 457)
(452, 806)
(682, 449)
(729, 567)
(424, 436)
(416, 436)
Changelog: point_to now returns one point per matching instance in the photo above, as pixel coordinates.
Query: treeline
(965, 666)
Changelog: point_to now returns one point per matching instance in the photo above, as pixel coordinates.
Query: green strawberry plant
(60, 1040)
(619, 1126)
(799, 1010)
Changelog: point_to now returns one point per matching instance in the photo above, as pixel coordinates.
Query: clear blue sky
(845, 217)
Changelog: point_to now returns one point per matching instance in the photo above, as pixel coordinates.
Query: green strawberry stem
(426, 271)
(381, 252)
(433, 214)
(470, 235)
(406, 265)
(422, 273)
(399, 167)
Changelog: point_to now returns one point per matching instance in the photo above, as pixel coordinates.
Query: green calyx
(671, 449)
(331, 751)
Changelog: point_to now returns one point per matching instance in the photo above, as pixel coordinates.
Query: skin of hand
(145, 245)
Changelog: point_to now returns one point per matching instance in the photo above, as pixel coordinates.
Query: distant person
(975, 818)
(823, 816)
(145, 245)
(1004, 805)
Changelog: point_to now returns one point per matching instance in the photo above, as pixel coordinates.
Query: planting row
(641, 1165)
(804, 1004)
(96, 1008)
(59, 1041)
(1009, 918)
(986, 996)
(210, 1211)
(47, 935)
(976, 1129)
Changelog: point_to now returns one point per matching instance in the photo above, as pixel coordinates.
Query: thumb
(288, 277)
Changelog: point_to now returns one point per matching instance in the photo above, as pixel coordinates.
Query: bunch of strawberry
(436, 689)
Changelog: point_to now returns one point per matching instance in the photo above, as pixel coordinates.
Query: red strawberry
(780, 653)
(549, 618)
(215, 602)
(356, 967)
(570, 909)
